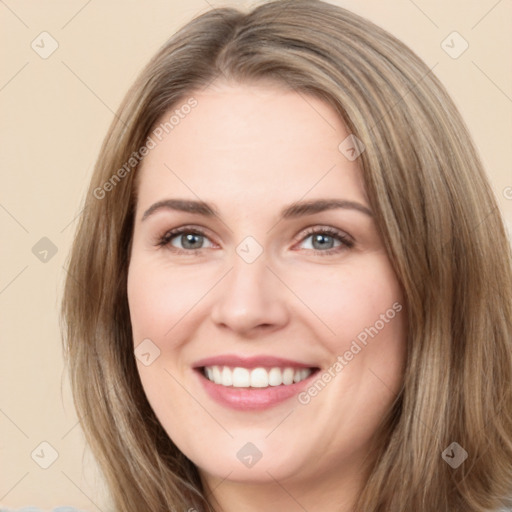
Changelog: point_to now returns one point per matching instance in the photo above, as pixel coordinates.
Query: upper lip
(262, 361)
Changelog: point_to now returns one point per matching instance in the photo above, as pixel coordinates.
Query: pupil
(189, 241)
(322, 239)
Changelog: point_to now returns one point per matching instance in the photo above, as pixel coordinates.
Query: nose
(250, 300)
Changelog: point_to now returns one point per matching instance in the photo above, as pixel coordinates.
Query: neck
(323, 494)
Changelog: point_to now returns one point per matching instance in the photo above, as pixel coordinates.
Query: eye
(327, 241)
(185, 240)
(188, 240)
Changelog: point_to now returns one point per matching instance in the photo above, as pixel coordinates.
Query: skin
(252, 150)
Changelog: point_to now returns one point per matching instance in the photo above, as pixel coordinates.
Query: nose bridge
(249, 296)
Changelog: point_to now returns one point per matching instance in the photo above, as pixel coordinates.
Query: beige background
(55, 112)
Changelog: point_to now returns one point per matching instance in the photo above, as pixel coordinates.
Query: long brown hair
(435, 211)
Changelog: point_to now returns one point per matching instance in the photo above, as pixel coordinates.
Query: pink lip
(251, 399)
(233, 361)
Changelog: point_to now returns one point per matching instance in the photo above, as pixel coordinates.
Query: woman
(291, 288)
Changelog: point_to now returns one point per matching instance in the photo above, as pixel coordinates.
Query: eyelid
(165, 239)
(329, 230)
(346, 241)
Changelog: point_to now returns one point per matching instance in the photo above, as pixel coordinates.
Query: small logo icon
(44, 250)
(146, 352)
(44, 45)
(44, 455)
(454, 455)
(249, 455)
(454, 45)
(351, 147)
(249, 249)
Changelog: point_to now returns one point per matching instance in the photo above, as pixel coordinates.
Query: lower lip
(250, 399)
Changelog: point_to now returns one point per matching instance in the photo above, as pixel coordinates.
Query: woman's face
(284, 296)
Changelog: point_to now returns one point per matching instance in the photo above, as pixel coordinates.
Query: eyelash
(346, 242)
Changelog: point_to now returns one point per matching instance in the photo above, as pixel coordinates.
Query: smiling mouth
(239, 377)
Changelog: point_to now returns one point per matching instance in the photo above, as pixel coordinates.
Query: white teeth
(275, 377)
(217, 377)
(241, 378)
(227, 379)
(256, 378)
(301, 374)
(259, 378)
(288, 376)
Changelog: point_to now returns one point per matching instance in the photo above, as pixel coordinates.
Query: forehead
(257, 140)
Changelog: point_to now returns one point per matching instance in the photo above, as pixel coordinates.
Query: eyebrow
(294, 210)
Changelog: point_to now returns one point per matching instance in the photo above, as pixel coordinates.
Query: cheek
(363, 329)
(363, 306)
(160, 297)
(352, 298)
